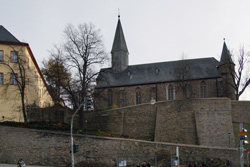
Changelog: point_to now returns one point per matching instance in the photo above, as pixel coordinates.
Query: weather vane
(118, 13)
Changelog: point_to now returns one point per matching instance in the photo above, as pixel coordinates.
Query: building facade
(124, 85)
(19, 71)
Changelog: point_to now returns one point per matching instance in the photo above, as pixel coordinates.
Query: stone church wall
(126, 96)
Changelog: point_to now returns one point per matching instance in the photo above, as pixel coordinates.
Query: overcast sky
(155, 30)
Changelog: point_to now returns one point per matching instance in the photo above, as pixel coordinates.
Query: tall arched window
(170, 92)
(110, 98)
(138, 96)
(203, 89)
(188, 91)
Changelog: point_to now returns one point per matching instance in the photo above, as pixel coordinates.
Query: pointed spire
(119, 50)
(119, 43)
(225, 55)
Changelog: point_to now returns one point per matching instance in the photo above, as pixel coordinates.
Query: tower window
(121, 98)
(188, 91)
(110, 98)
(170, 92)
(203, 89)
(138, 96)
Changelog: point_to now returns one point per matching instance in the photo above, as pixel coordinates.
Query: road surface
(14, 165)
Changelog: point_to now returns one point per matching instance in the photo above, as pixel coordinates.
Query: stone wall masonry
(195, 121)
(213, 128)
(203, 121)
(214, 121)
(38, 147)
(175, 123)
(136, 121)
(241, 111)
(49, 114)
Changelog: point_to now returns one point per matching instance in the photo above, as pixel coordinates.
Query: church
(126, 85)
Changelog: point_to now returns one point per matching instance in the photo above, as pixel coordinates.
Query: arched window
(188, 91)
(110, 98)
(138, 96)
(121, 98)
(170, 92)
(203, 89)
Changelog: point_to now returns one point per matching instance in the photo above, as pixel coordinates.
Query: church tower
(226, 69)
(119, 50)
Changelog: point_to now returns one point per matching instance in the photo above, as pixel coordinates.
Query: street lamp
(71, 134)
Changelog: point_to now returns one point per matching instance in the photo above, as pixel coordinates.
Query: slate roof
(6, 36)
(192, 69)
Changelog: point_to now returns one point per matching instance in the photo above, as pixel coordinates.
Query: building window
(121, 98)
(203, 89)
(170, 92)
(138, 96)
(1, 78)
(153, 93)
(188, 91)
(110, 98)
(13, 56)
(1, 55)
(13, 79)
(220, 89)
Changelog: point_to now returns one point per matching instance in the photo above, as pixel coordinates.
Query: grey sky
(160, 30)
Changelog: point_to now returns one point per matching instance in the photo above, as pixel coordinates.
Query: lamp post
(71, 134)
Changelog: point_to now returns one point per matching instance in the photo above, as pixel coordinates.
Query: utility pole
(71, 134)
(177, 155)
(241, 148)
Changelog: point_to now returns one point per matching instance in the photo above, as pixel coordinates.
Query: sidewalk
(14, 165)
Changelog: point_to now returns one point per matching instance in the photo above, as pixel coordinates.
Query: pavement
(14, 165)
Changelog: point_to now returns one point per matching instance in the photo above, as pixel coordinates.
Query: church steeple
(119, 50)
(225, 55)
(226, 69)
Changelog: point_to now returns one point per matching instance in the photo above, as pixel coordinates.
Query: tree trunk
(23, 108)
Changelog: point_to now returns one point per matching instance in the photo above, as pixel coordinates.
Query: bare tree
(183, 73)
(240, 73)
(83, 53)
(84, 50)
(18, 70)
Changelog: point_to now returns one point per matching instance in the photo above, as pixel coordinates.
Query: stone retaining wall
(51, 148)
(192, 121)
